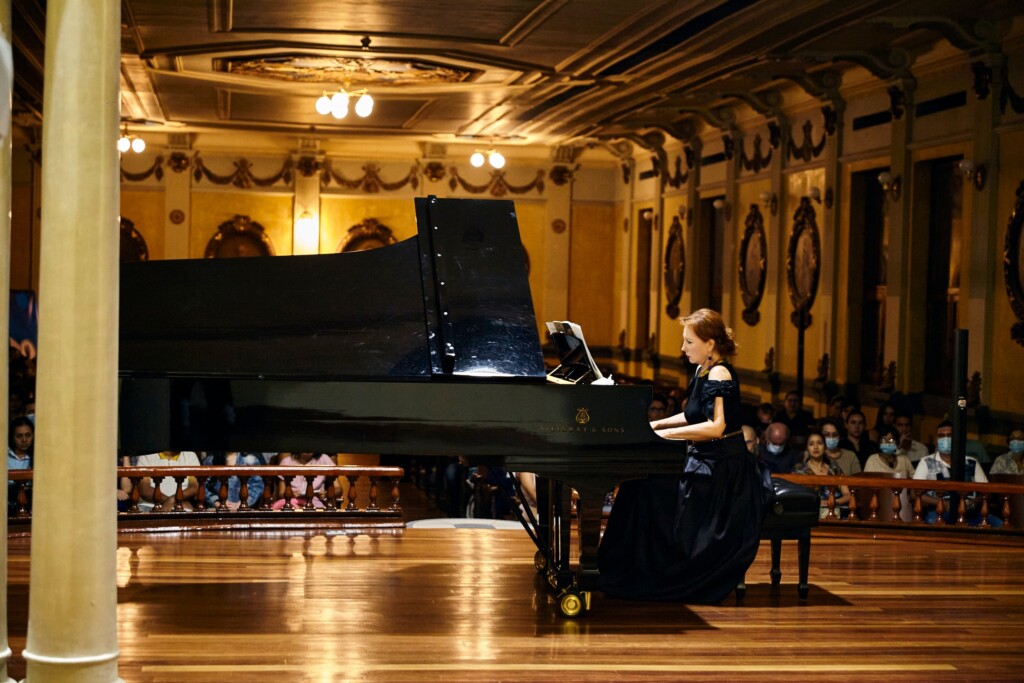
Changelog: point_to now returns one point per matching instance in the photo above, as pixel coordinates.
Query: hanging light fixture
(337, 104)
(131, 142)
(492, 156)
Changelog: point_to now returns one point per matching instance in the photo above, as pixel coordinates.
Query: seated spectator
(20, 447)
(298, 482)
(936, 467)
(849, 405)
(234, 500)
(817, 463)
(674, 401)
(793, 415)
(750, 438)
(889, 457)
(856, 437)
(153, 497)
(658, 408)
(775, 451)
(765, 415)
(914, 450)
(1011, 462)
(885, 418)
(835, 407)
(842, 458)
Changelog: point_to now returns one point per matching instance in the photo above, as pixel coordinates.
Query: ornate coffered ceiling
(537, 71)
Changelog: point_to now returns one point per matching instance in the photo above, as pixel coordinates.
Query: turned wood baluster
(984, 512)
(896, 505)
(309, 494)
(395, 507)
(223, 494)
(267, 499)
(961, 511)
(330, 494)
(136, 494)
(873, 506)
(243, 494)
(200, 504)
(853, 505)
(831, 492)
(1006, 510)
(352, 493)
(373, 494)
(179, 496)
(158, 495)
(22, 499)
(288, 494)
(917, 509)
(940, 509)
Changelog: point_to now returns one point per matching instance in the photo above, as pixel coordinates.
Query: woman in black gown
(692, 538)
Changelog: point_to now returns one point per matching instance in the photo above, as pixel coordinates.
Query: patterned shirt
(1006, 464)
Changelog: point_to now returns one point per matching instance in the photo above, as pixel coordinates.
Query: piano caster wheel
(540, 562)
(573, 603)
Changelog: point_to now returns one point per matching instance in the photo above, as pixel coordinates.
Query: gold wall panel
(210, 209)
(592, 257)
(1008, 356)
(145, 208)
(338, 214)
(755, 340)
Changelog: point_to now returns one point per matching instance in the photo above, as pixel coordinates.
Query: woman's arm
(702, 431)
(677, 420)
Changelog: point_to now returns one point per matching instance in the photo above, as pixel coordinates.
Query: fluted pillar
(6, 79)
(72, 629)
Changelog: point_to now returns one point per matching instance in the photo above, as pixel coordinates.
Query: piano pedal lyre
(574, 602)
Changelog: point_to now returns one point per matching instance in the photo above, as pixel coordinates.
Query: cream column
(6, 79)
(72, 629)
(177, 199)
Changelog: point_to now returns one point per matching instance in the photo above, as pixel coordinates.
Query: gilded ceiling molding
(370, 182)
(758, 161)
(970, 36)
(677, 179)
(242, 176)
(156, 170)
(807, 149)
(654, 142)
(497, 186)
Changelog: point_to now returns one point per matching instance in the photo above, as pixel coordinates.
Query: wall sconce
(495, 158)
(770, 201)
(722, 206)
(133, 142)
(336, 104)
(977, 174)
(890, 185)
(307, 234)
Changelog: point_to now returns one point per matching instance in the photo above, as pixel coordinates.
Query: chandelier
(337, 104)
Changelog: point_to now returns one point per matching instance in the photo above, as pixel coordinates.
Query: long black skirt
(689, 539)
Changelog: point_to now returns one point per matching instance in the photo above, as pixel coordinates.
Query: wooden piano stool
(792, 516)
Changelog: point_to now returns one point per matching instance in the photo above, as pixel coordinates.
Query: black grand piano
(425, 347)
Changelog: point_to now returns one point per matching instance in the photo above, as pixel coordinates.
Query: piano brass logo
(582, 426)
(582, 416)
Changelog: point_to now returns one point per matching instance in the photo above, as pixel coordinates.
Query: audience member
(298, 482)
(765, 415)
(884, 418)
(1011, 462)
(849, 406)
(658, 408)
(793, 415)
(889, 457)
(775, 451)
(162, 497)
(835, 408)
(842, 458)
(254, 485)
(750, 439)
(936, 467)
(817, 463)
(914, 450)
(856, 437)
(20, 448)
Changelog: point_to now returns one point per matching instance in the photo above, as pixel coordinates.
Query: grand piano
(425, 347)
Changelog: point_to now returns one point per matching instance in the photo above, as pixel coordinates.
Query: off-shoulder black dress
(692, 538)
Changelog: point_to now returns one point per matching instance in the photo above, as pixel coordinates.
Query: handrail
(899, 482)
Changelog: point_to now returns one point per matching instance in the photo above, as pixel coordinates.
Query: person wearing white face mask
(936, 467)
(1011, 462)
(844, 459)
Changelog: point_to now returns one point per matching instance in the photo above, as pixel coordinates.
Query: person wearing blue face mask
(844, 459)
(936, 467)
(1011, 462)
(889, 458)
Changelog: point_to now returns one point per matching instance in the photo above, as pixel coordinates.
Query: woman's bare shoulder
(720, 373)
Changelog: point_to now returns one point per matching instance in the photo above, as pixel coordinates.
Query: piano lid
(454, 301)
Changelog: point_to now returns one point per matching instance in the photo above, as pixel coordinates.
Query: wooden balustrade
(336, 503)
(880, 498)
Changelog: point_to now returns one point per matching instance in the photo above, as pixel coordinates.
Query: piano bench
(792, 516)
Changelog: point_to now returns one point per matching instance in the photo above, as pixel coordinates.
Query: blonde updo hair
(707, 325)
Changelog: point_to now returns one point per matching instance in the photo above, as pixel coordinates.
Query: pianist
(692, 538)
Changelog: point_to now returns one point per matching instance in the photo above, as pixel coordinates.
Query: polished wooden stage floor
(465, 605)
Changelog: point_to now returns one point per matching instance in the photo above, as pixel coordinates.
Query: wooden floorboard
(465, 605)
